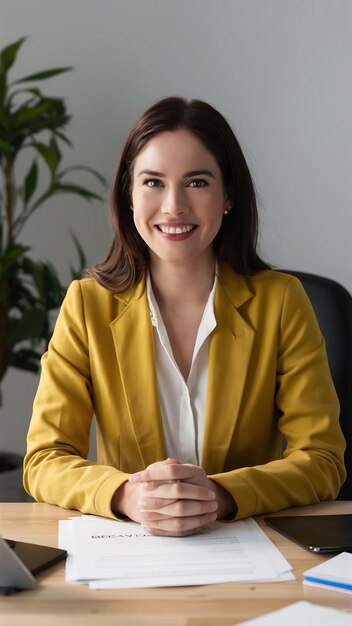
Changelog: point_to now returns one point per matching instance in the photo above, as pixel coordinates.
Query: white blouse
(182, 402)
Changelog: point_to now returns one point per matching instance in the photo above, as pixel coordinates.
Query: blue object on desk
(336, 572)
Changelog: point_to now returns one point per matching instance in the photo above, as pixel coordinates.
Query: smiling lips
(178, 229)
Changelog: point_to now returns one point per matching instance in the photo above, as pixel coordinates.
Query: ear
(228, 200)
(227, 205)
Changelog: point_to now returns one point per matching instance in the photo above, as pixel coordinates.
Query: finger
(153, 484)
(159, 464)
(166, 471)
(180, 526)
(177, 491)
(165, 533)
(153, 504)
(180, 508)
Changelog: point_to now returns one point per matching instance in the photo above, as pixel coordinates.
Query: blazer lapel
(133, 339)
(230, 350)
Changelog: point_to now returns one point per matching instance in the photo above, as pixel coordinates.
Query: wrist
(119, 501)
(227, 506)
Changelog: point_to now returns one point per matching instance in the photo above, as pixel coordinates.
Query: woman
(195, 357)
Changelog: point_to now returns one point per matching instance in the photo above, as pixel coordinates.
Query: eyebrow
(186, 175)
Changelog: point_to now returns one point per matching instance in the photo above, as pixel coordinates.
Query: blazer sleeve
(312, 467)
(56, 469)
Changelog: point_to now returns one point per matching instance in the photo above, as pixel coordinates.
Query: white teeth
(175, 230)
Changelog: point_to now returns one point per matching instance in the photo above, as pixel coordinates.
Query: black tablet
(318, 533)
(20, 562)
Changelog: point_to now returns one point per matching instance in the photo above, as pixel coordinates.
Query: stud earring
(227, 211)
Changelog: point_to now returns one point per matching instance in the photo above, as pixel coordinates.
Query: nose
(174, 202)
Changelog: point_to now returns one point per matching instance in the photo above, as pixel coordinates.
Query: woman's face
(178, 198)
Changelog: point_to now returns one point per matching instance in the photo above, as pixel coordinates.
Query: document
(336, 573)
(302, 613)
(111, 554)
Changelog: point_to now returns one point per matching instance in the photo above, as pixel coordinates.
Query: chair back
(332, 304)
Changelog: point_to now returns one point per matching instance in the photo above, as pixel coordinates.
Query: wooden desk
(55, 603)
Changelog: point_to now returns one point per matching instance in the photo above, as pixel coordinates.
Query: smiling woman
(195, 357)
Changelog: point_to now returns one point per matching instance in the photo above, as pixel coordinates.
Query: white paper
(110, 554)
(308, 583)
(302, 613)
(336, 570)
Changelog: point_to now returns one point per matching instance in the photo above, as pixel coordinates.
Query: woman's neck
(182, 291)
(173, 282)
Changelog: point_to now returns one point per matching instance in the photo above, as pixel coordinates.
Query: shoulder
(90, 288)
(269, 286)
(281, 296)
(274, 281)
(272, 277)
(269, 300)
(95, 300)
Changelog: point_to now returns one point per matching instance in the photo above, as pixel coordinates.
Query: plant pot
(11, 488)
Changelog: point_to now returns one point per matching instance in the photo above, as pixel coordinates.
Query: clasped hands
(172, 499)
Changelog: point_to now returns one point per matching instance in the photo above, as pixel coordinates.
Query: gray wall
(280, 71)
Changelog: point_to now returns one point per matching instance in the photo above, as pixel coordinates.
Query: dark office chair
(333, 307)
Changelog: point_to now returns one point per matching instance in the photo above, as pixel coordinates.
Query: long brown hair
(236, 240)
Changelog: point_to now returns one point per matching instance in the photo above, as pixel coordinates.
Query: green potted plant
(30, 290)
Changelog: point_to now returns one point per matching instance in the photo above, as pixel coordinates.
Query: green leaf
(54, 146)
(50, 154)
(21, 295)
(54, 290)
(5, 146)
(30, 182)
(10, 257)
(83, 168)
(4, 120)
(26, 359)
(43, 75)
(50, 114)
(50, 292)
(77, 189)
(8, 54)
(34, 91)
(2, 85)
(29, 326)
(63, 137)
(34, 269)
(7, 59)
(77, 273)
(27, 114)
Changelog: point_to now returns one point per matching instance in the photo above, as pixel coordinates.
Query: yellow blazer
(268, 376)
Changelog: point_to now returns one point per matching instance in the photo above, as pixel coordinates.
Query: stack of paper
(110, 554)
(303, 613)
(336, 573)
